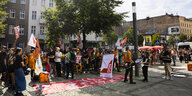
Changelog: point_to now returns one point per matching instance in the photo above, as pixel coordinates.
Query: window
(42, 15)
(12, 13)
(22, 14)
(42, 2)
(23, 1)
(42, 30)
(13, 1)
(50, 3)
(34, 2)
(21, 31)
(11, 29)
(34, 15)
(33, 30)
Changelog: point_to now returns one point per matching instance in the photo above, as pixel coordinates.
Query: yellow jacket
(127, 56)
(32, 61)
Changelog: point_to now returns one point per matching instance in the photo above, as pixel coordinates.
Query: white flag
(118, 43)
(32, 41)
(38, 66)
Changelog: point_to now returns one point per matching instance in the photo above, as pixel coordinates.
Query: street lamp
(135, 38)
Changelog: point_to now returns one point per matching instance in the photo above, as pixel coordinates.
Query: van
(183, 45)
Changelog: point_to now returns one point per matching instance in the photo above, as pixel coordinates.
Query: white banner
(38, 66)
(32, 41)
(107, 65)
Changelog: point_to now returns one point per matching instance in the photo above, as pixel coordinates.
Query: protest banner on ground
(107, 66)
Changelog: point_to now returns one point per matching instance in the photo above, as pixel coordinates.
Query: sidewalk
(155, 87)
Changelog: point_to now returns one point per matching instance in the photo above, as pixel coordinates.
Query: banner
(107, 65)
(124, 41)
(37, 49)
(16, 29)
(38, 66)
(32, 41)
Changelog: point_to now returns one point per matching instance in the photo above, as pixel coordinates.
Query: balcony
(2, 36)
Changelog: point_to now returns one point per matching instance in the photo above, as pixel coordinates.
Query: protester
(32, 62)
(120, 59)
(116, 57)
(86, 61)
(3, 68)
(51, 56)
(20, 82)
(44, 59)
(180, 55)
(167, 61)
(146, 61)
(129, 68)
(11, 59)
(174, 53)
(78, 61)
(186, 54)
(58, 56)
(70, 66)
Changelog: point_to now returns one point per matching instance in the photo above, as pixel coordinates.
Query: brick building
(17, 16)
(164, 25)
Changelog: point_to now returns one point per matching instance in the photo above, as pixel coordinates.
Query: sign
(189, 67)
(32, 41)
(107, 66)
(78, 58)
(174, 30)
(16, 29)
(176, 41)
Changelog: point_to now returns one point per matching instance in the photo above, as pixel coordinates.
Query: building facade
(36, 25)
(17, 16)
(164, 25)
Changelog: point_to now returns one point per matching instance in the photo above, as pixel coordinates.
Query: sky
(151, 8)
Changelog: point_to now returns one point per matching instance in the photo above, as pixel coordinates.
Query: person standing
(3, 62)
(32, 63)
(167, 61)
(20, 82)
(174, 53)
(129, 69)
(58, 56)
(180, 55)
(186, 55)
(146, 61)
(68, 63)
(120, 59)
(51, 56)
(116, 57)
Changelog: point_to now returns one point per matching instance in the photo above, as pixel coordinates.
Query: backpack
(43, 77)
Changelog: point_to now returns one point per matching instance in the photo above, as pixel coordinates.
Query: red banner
(76, 84)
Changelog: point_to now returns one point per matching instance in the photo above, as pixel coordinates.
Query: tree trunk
(84, 40)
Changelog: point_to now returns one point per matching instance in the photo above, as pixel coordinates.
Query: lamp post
(135, 38)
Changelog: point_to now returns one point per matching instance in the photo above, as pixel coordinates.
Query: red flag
(37, 49)
(124, 41)
(59, 43)
(16, 29)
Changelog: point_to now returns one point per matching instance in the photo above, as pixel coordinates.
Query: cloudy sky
(153, 8)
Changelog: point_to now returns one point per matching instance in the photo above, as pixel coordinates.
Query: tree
(98, 16)
(130, 36)
(3, 15)
(62, 21)
(155, 38)
(182, 37)
(110, 38)
(171, 40)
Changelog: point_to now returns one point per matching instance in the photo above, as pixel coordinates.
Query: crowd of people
(64, 63)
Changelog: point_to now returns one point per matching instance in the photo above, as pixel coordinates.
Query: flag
(16, 29)
(124, 41)
(118, 43)
(144, 42)
(37, 49)
(38, 66)
(32, 41)
(59, 42)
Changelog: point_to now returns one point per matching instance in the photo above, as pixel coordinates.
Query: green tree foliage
(3, 15)
(130, 36)
(171, 40)
(110, 38)
(84, 16)
(182, 37)
(155, 38)
(61, 21)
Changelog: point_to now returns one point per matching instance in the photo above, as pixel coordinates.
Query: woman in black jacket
(146, 60)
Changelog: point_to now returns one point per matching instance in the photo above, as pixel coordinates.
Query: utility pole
(135, 38)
